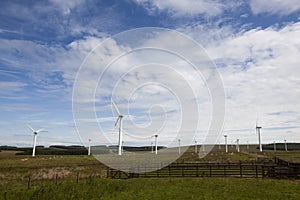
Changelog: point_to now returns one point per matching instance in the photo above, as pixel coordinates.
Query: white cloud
(282, 7)
(154, 81)
(260, 70)
(179, 8)
(67, 5)
(8, 89)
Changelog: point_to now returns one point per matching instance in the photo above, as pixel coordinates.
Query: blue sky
(254, 44)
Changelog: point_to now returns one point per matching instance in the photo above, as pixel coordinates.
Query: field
(83, 177)
(175, 188)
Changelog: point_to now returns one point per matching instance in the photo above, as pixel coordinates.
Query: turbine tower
(285, 145)
(89, 151)
(35, 132)
(156, 144)
(119, 119)
(195, 146)
(238, 145)
(259, 138)
(226, 146)
(152, 147)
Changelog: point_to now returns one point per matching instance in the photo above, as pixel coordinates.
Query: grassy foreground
(183, 188)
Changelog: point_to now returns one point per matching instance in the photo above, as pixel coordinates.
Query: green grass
(164, 188)
(9, 160)
(14, 172)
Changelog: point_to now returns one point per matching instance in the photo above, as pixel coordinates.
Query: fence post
(56, 179)
(241, 172)
(256, 171)
(182, 171)
(197, 170)
(225, 170)
(210, 170)
(169, 171)
(77, 178)
(28, 183)
(5, 195)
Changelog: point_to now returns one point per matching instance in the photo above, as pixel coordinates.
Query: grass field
(43, 169)
(175, 188)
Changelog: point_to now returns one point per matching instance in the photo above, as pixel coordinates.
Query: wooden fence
(249, 169)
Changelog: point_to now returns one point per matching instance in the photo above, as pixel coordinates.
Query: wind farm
(149, 99)
(100, 164)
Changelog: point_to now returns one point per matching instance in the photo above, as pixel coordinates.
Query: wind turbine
(285, 145)
(226, 146)
(89, 151)
(155, 144)
(238, 145)
(258, 133)
(35, 132)
(119, 119)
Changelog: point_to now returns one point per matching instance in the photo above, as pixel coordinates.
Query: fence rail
(198, 170)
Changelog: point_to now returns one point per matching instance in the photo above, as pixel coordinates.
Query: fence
(246, 169)
(285, 169)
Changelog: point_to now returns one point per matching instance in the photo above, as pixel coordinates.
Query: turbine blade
(31, 128)
(117, 121)
(41, 130)
(115, 108)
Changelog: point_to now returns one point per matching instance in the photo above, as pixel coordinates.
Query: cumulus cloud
(151, 82)
(282, 7)
(260, 70)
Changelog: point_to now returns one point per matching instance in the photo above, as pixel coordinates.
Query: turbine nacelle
(36, 131)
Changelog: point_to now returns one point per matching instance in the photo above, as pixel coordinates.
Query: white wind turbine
(35, 132)
(89, 150)
(226, 146)
(119, 119)
(238, 145)
(259, 138)
(155, 143)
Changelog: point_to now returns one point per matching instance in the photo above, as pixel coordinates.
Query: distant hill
(281, 146)
(72, 150)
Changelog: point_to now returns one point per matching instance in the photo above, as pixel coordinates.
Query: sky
(53, 53)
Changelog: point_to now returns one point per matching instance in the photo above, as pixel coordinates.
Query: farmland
(81, 176)
(185, 188)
